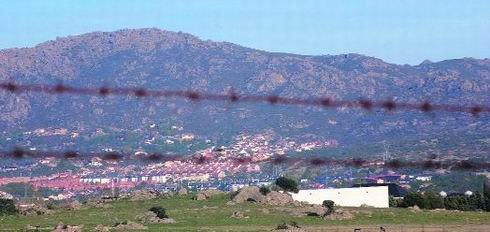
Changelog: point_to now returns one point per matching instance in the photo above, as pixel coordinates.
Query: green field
(214, 215)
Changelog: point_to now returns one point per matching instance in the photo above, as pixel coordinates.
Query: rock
(35, 209)
(339, 215)
(67, 228)
(238, 215)
(182, 192)
(230, 203)
(249, 193)
(74, 205)
(415, 208)
(102, 228)
(265, 211)
(200, 197)
(99, 204)
(278, 199)
(129, 225)
(310, 210)
(206, 194)
(152, 218)
(139, 195)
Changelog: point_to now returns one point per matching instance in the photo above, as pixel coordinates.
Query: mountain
(157, 59)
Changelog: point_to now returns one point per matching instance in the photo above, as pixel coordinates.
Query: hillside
(214, 215)
(158, 59)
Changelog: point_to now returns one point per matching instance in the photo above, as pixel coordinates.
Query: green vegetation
(431, 200)
(7, 207)
(214, 215)
(287, 184)
(264, 190)
(159, 211)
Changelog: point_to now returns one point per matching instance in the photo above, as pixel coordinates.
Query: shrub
(7, 207)
(264, 190)
(412, 199)
(330, 205)
(159, 211)
(287, 184)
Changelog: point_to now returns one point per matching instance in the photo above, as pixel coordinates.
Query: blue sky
(398, 31)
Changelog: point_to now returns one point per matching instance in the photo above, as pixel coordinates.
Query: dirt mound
(139, 195)
(152, 218)
(279, 199)
(67, 228)
(249, 193)
(206, 194)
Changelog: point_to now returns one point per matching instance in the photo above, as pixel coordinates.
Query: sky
(397, 31)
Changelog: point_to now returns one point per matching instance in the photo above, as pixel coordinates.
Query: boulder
(102, 228)
(67, 228)
(238, 215)
(129, 225)
(249, 193)
(200, 197)
(309, 210)
(36, 209)
(182, 192)
(74, 205)
(206, 194)
(152, 218)
(339, 215)
(278, 199)
(139, 195)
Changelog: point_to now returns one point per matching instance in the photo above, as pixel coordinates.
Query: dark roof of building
(394, 190)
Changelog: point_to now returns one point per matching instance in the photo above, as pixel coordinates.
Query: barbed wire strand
(432, 163)
(232, 96)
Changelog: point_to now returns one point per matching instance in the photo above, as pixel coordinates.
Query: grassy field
(214, 215)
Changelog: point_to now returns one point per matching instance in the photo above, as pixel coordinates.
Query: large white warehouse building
(350, 197)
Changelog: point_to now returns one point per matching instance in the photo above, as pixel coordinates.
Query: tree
(412, 199)
(330, 205)
(433, 201)
(159, 211)
(7, 207)
(287, 184)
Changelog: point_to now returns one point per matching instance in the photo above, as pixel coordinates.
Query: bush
(264, 190)
(433, 201)
(287, 184)
(159, 211)
(330, 205)
(7, 207)
(412, 199)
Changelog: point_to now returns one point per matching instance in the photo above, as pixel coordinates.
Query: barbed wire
(431, 163)
(232, 96)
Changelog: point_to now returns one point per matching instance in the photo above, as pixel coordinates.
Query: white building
(349, 197)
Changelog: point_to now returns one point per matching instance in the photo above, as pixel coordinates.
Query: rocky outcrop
(206, 194)
(248, 194)
(152, 218)
(129, 225)
(67, 228)
(278, 199)
(139, 195)
(339, 214)
(182, 192)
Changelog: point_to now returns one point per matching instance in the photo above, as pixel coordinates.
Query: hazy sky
(394, 30)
